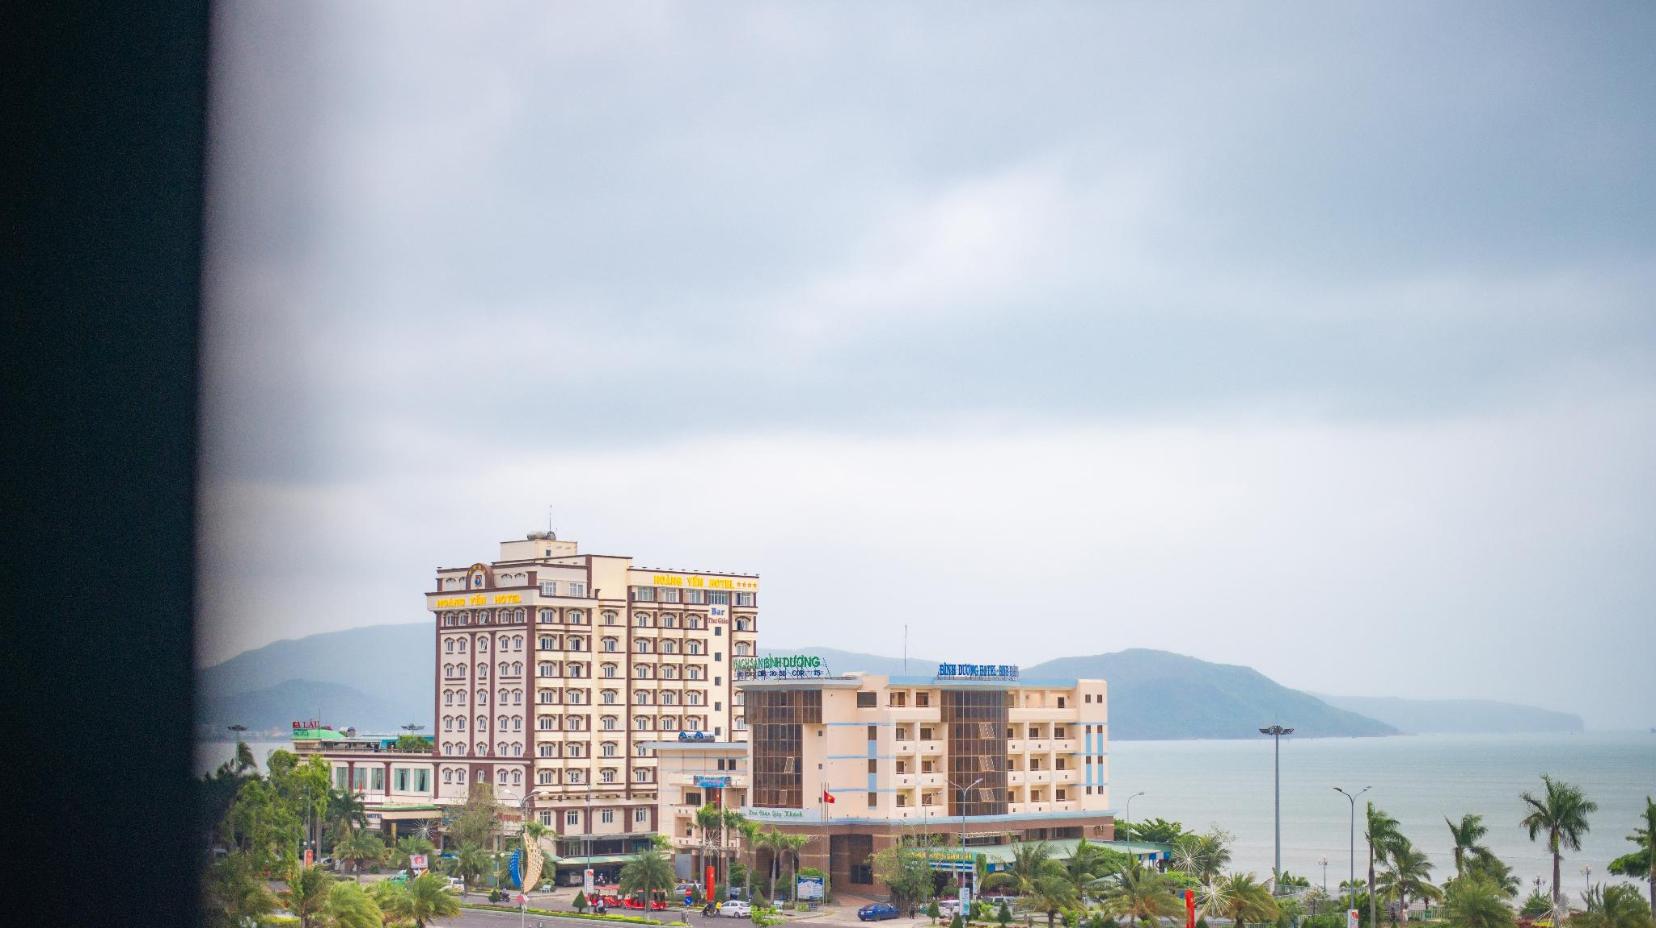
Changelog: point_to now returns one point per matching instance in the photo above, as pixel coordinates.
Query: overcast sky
(1315, 338)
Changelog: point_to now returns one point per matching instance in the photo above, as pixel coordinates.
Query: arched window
(504, 668)
(609, 697)
(692, 621)
(643, 697)
(577, 643)
(517, 779)
(546, 615)
(743, 649)
(448, 645)
(743, 625)
(669, 672)
(610, 644)
(669, 698)
(609, 670)
(517, 668)
(517, 723)
(517, 642)
(642, 646)
(577, 617)
(608, 775)
(641, 722)
(693, 647)
(482, 697)
(669, 647)
(609, 618)
(517, 697)
(642, 672)
(642, 618)
(463, 644)
(482, 644)
(609, 723)
(543, 669)
(482, 749)
(459, 723)
(669, 621)
(482, 671)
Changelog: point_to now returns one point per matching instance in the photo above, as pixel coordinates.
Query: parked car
(456, 884)
(879, 911)
(736, 908)
(1011, 902)
(947, 908)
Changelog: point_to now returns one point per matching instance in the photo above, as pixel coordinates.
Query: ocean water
(1419, 779)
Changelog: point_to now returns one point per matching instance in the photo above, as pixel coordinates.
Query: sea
(1419, 779)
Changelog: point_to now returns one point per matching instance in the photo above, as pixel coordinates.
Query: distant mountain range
(1457, 716)
(380, 677)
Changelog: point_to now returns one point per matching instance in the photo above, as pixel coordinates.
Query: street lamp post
(1276, 732)
(1323, 862)
(965, 908)
(1127, 816)
(1351, 878)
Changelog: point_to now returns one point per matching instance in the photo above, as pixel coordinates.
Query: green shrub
(581, 902)
(957, 921)
(1004, 915)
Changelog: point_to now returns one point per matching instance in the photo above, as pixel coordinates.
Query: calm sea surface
(1419, 779)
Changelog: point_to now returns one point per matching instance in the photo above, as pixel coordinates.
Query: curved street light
(1351, 878)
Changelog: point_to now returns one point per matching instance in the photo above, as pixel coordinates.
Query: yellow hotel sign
(706, 583)
(479, 599)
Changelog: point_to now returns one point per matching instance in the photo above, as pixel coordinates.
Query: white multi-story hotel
(555, 670)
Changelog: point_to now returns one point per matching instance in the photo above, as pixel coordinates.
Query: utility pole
(1128, 815)
(1351, 879)
(965, 906)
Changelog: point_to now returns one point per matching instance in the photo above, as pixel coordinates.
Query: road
(486, 918)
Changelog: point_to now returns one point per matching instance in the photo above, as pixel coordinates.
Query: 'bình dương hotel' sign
(977, 671)
(781, 667)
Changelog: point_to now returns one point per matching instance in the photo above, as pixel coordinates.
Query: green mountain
(374, 677)
(272, 710)
(1457, 716)
(1158, 695)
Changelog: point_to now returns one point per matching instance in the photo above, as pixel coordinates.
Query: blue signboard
(977, 671)
(712, 782)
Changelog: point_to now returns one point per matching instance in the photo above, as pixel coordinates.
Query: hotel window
(548, 723)
(546, 817)
(643, 594)
(609, 723)
(1059, 796)
(463, 644)
(339, 778)
(695, 596)
(873, 800)
(1059, 731)
(577, 617)
(399, 779)
(922, 700)
(572, 818)
(577, 590)
(609, 695)
(744, 625)
(577, 643)
(610, 645)
(548, 588)
(668, 595)
(898, 698)
(641, 722)
(744, 599)
(641, 815)
(544, 777)
(1060, 702)
(577, 670)
(609, 746)
(549, 750)
(718, 597)
(448, 645)
(866, 699)
(482, 697)
(481, 750)
(607, 816)
(609, 671)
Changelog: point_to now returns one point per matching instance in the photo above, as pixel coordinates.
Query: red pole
(709, 882)
(1190, 908)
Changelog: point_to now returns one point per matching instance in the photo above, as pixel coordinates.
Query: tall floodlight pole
(1276, 732)
(1351, 878)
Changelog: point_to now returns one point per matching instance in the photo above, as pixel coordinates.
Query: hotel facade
(860, 761)
(555, 672)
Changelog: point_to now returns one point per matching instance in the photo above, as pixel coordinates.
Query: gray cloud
(501, 256)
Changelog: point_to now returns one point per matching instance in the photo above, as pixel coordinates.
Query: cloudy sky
(1319, 340)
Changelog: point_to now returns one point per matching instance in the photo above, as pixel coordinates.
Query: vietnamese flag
(827, 796)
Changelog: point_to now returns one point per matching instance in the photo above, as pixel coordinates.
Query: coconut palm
(1407, 875)
(751, 835)
(1561, 812)
(349, 907)
(708, 818)
(729, 821)
(1381, 833)
(1030, 863)
(1641, 864)
(1050, 894)
(1089, 862)
(1487, 866)
(1203, 856)
(307, 894)
(470, 863)
(409, 845)
(419, 900)
(647, 873)
(1617, 906)
(791, 845)
(359, 846)
(1136, 892)
(1241, 898)
(346, 812)
(1475, 902)
(1465, 837)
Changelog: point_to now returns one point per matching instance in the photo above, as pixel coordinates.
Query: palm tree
(1407, 875)
(1090, 861)
(773, 841)
(1474, 902)
(1136, 892)
(1465, 837)
(1641, 864)
(1242, 898)
(792, 845)
(708, 817)
(647, 873)
(349, 907)
(358, 847)
(346, 812)
(1381, 834)
(730, 820)
(1562, 813)
(1031, 863)
(470, 863)
(1487, 866)
(1203, 856)
(409, 845)
(307, 894)
(1617, 906)
(419, 900)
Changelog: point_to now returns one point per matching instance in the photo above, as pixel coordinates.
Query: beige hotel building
(555, 672)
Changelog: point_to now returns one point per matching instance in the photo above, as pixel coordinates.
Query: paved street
(474, 918)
